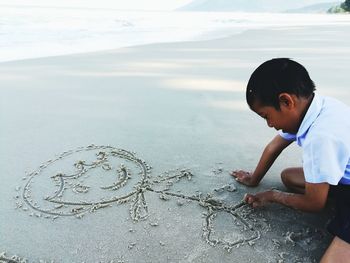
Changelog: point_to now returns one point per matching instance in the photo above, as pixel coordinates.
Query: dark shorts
(340, 224)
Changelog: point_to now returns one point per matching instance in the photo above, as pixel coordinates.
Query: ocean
(31, 32)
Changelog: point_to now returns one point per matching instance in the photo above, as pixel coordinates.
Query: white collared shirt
(324, 136)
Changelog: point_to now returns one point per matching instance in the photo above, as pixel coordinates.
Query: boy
(281, 91)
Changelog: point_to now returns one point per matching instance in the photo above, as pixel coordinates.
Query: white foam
(29, 32)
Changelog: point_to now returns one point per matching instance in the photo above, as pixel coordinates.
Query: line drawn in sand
(13, 259)
(106, 163)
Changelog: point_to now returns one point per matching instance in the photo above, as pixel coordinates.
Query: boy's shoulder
(332, 119)
(325, 138)
(332, 111)
(333, 103)
(326, 118)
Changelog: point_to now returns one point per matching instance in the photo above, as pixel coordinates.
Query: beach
(125, 155)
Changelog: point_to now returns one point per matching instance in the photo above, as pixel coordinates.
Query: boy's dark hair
(276, 76)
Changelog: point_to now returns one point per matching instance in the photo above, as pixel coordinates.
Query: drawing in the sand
(76, 173)
(13, 259)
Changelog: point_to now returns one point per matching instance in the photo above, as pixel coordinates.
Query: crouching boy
(281, 91)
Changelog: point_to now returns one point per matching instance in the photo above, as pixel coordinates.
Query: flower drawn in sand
(67, 186)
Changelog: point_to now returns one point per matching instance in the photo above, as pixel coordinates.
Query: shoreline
(138, 46)
(254, 21)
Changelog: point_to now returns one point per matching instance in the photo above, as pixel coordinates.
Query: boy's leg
(293, 179)
(337, 252)
(339, 226)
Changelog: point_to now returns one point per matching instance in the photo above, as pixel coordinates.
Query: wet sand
(125, 155)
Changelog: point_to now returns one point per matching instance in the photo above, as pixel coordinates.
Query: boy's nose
(269, 124)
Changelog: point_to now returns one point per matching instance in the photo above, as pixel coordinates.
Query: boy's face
(286, 119)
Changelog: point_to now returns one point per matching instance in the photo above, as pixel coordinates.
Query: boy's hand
(244, 177)
(259, 199)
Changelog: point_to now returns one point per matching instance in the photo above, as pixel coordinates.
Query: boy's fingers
(248, 198)
(240, 179)
(252, 200)
(235, 173)
(245, 198)
(240, 173)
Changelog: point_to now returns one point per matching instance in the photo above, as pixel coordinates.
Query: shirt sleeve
(325, 160)
(287, 136)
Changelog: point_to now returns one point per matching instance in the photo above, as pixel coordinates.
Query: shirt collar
(310, 116)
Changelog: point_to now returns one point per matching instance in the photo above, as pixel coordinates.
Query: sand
(125, 155)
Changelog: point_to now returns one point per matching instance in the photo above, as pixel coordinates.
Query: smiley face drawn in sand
(66, 186)
(73, 192)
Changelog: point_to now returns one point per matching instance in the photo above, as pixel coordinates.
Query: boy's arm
(313, 200)
(269, 155)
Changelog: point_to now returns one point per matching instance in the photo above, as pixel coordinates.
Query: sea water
(30, 32)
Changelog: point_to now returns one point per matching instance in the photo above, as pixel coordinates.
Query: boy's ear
(286, 100)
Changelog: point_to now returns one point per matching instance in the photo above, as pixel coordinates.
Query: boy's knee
(285, 176)
(293, 179)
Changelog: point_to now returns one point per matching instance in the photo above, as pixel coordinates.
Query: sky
(117, 4)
